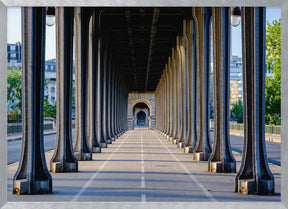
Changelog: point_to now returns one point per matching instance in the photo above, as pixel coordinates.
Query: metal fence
(17, 128)
(269, 129)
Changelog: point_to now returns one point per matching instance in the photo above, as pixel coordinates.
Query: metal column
(203, 148)
(92, 82)
(191, 88)
(63, 159)
(221, 159)
(82, 149)
(32, 175)
(99, 121)
(254, 176)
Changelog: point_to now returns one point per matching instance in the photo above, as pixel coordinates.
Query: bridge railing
(16, 128)
(269, 129)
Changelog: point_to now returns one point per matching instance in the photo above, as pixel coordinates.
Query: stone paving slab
(142, 166)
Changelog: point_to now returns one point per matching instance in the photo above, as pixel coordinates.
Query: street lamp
(50, 16)
(235, 16)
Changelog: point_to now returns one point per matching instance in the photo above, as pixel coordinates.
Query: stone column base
(112, 139)
(96, 149)
(170, 139)
(174, 141)
(60, 167)
(167, 137)
(39, 187)
(188, 149)
(180, 144)
(109, 141)
(217, 167)
(249, 186)
(198, 156)
(83, 156)
(103, 145)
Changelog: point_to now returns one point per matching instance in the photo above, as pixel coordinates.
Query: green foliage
(14, 96)
(237, 112)
(49, 109)
(73, 96)
(273, 84)
(14, 114)
(14, 88)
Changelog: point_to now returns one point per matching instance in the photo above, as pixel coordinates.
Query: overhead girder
(141, 39)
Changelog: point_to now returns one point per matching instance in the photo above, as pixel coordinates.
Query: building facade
(236, 80)
(50, 76)
(14, 56)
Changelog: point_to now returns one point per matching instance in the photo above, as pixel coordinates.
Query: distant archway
(141, 111)
(145, 102)
(141, 118)
(147, 98)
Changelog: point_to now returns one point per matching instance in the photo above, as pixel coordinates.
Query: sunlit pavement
(142, 166)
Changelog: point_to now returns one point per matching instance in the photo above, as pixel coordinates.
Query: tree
(14, 115)
(14, 88)
(273, 84)
(14, 96)
(73, 97)
(237, 112)
(49, 109)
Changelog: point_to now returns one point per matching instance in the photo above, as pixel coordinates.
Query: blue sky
(272, 13)
(14, 31)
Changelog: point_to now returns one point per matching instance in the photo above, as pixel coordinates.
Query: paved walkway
(142, 166)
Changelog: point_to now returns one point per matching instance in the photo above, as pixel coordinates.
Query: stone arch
(135, 110)
(142, 101)
(147, 98)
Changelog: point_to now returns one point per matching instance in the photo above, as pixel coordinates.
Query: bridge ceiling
(141, 40)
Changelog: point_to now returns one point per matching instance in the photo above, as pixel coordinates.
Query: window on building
(13, 55)
(12, 48)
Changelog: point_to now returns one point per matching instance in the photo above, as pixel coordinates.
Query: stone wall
(147, 98)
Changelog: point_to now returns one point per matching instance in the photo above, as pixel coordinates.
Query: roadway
(273, 149)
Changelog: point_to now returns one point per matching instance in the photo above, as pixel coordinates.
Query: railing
(17, 128)
(269, 129)
(14, 128)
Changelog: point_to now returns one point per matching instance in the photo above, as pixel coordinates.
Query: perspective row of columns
(101, 96)
(182, 96)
